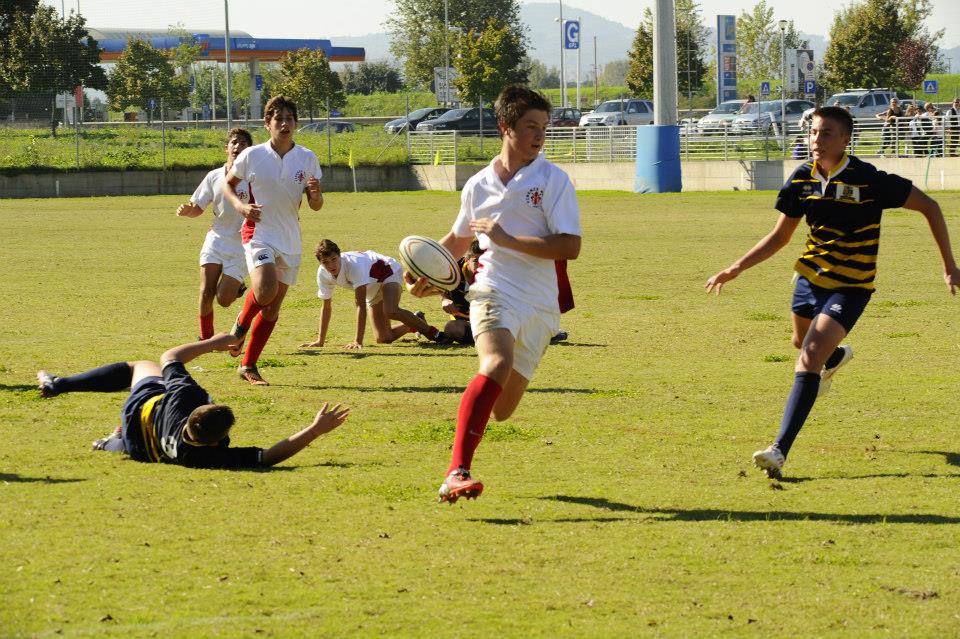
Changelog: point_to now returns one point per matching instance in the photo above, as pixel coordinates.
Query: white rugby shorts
(226, 252)
(531, 328)
(258, 253)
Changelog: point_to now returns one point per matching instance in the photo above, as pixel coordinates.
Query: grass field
(620, 500)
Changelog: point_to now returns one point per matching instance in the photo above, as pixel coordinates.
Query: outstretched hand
(952, 278)
(329, 418)
(715, 283)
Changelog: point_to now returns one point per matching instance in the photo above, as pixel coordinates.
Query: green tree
(489, 60)
(306, 76)
(759, 54)
(863, 45)
(691, 45)
(614, 73)
(143, 72)
(42, 53)
(371, 77)
(417, 31)
(540, 77)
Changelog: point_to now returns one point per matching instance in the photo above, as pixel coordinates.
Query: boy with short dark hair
(842, 199)
(222, 263)
(169, 418)
(524, 211)
(376, 283)
(279, 172)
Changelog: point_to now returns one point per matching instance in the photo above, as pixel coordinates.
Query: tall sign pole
(563, 76)
(446, 54)
(226, 42)
(726, 58)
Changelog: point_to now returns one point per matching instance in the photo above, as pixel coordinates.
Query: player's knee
(384, 339)
(208, 291)
(797, 341)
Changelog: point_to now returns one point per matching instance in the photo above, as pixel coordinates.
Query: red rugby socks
(206, 326)
(259, 334)
(472, 417)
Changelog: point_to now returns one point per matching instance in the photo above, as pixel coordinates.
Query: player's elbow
(571, 247)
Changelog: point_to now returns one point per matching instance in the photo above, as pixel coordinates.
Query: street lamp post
(226, 43)
(563, 76)
(446, 53)
(783, 86)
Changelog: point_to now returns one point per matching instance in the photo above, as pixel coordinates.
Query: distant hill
(613, 38)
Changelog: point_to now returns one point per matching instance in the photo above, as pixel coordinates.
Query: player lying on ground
(524, 211)
(169, 418)
(222, 263)
(280, 173)
(843, 199)
(376, 284)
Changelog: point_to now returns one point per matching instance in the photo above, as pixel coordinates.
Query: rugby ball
(422, 257)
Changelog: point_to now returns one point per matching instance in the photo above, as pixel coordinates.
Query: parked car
(561, 116)
(862, 103)
(414, 118)
(463, 120)
(620, 112)
(720, 118)
(759, 117)
(336, 126)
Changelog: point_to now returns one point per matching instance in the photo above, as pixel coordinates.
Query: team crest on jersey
(848, 193)
(298, 176)
(535, 197)
(242, 195)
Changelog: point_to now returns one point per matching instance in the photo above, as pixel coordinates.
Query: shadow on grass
(14, 478)
(17, 388)
(429, 389)
(800, 480)
(951, 458)
(711, 514)
(433, 352)
(580, 344)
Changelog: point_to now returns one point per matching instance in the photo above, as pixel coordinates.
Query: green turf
(619, 500)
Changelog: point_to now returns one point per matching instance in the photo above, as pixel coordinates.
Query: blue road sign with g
(810, 87)
(571, 34)
(930, 86)
(764, 89)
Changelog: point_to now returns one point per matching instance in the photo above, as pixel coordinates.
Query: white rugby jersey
(540, 200)
(356, 269)
(226, 220)
(277, 184)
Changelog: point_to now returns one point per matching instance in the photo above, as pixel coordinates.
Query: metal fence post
(725, 134)
(329, 140)
(407, 116)
(163, 136)
(456, 148)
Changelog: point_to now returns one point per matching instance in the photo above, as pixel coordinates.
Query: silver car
(720, 118)
(761, 117)
(620, 112)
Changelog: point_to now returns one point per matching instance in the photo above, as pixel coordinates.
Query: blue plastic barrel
(658, 159)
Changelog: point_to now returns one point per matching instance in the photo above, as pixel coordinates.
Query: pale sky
(327, 19)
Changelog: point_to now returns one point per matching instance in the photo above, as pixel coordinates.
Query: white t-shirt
(540, 200)
(356, 269)
(226, 220)
(277, 184)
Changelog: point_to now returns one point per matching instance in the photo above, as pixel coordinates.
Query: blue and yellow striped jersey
(843, 210)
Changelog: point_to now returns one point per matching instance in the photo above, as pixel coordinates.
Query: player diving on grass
(169, 418)
(524, 211)
(222, 263)
(376, 284)
(279, 173)
(843, 199)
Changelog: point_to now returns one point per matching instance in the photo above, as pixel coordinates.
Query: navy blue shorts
(130, 414)
(845, 305)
